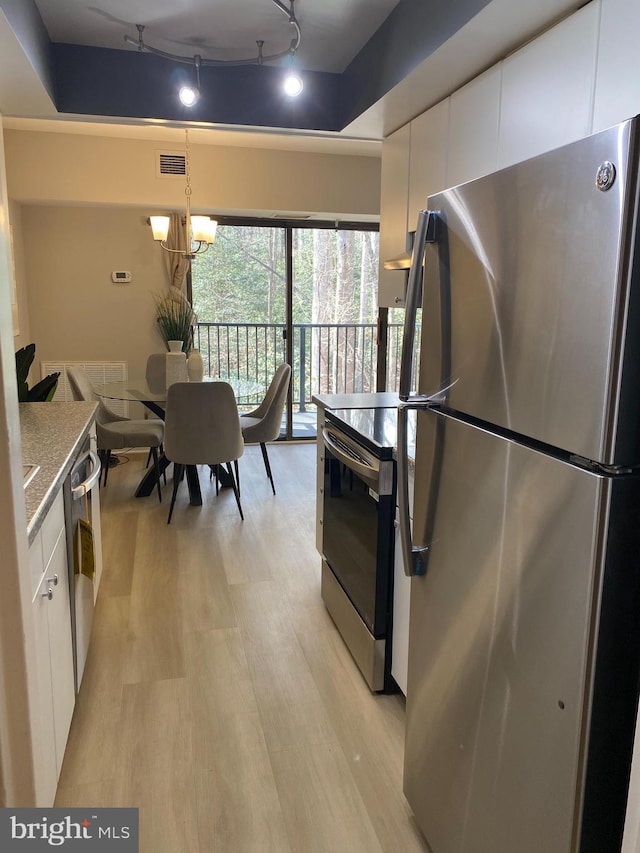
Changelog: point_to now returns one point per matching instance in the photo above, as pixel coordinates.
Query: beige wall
(75, 310)
(62, 168)
(79, 206)
(21, 329)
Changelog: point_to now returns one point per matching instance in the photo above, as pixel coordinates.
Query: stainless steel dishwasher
(82, 522)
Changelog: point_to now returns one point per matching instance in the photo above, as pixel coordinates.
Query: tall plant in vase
(176, 319)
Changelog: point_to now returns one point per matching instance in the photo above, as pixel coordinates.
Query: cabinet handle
(54, 580)
(48, 594)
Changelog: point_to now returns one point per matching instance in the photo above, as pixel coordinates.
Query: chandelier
(200, 231)
(189, 95)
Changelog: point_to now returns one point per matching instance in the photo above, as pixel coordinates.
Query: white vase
(176, 368)
(174, 346)
(195, 366)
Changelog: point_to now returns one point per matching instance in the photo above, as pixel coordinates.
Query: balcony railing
(327, 358)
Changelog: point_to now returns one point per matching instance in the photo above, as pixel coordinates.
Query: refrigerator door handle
(414, 556)
(425, 232)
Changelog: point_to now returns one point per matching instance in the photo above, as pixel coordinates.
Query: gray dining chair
(115, 432)
(156, 377)
(202, 427)
(264, 423)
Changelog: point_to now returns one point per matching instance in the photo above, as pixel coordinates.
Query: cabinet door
(547, 89)
(394, 188)
(44, 735)
(428, 161)
(401, 602)
(473, 128)
(319, 480)
(53, 663)
(617, 94)
(60, 646)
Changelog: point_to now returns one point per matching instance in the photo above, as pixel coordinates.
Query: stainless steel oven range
(359, 497)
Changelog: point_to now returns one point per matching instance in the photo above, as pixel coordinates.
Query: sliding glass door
(271, 292)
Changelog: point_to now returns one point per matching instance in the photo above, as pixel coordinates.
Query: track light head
(188, 95)
(292, 85)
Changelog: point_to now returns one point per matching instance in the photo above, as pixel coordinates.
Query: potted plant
(176, 319)
(42, 391)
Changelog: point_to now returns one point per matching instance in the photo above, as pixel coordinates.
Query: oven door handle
(368, 473)
(91, 481)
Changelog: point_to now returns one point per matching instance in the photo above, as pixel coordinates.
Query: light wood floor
(218, 697)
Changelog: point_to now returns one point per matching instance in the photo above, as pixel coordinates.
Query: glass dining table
(137, 390)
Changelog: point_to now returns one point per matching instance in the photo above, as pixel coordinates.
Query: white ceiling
(333, 31)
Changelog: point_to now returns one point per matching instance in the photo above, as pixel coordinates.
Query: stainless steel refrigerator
(524, 654)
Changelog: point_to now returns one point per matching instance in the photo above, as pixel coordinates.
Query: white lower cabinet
(54, 652)
(401, 602)
(401, 598)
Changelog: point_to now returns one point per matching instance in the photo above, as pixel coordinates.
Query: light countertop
(379, 400)
(52, 434)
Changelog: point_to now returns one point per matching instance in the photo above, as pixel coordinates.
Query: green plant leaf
(44, 390)
(24, 360)
(176, 319)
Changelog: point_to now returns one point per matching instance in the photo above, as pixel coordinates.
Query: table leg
(195, 495)
(224, 480)
(148, 482)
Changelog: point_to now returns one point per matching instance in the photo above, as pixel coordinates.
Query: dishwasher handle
(91, 481)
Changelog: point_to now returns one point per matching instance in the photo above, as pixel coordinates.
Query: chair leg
(177, 476)
(149, 454)
(237, 470)
(235, 489)
(107, 461)
(265, 456)
(154, 452)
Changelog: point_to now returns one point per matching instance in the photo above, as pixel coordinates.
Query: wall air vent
(171, 164)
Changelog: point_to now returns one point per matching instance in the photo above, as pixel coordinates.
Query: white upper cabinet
(548, 88)
(474, 121)
(618, 79)
(394, 188)
(414, 165)
(428, 160)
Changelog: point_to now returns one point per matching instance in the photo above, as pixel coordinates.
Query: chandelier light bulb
(292, 85)
(188, 95)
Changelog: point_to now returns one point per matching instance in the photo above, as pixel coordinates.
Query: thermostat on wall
(120, 277)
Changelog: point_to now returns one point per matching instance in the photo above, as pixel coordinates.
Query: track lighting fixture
(189, 95)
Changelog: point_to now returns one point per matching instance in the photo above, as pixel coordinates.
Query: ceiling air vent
(171, 164)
